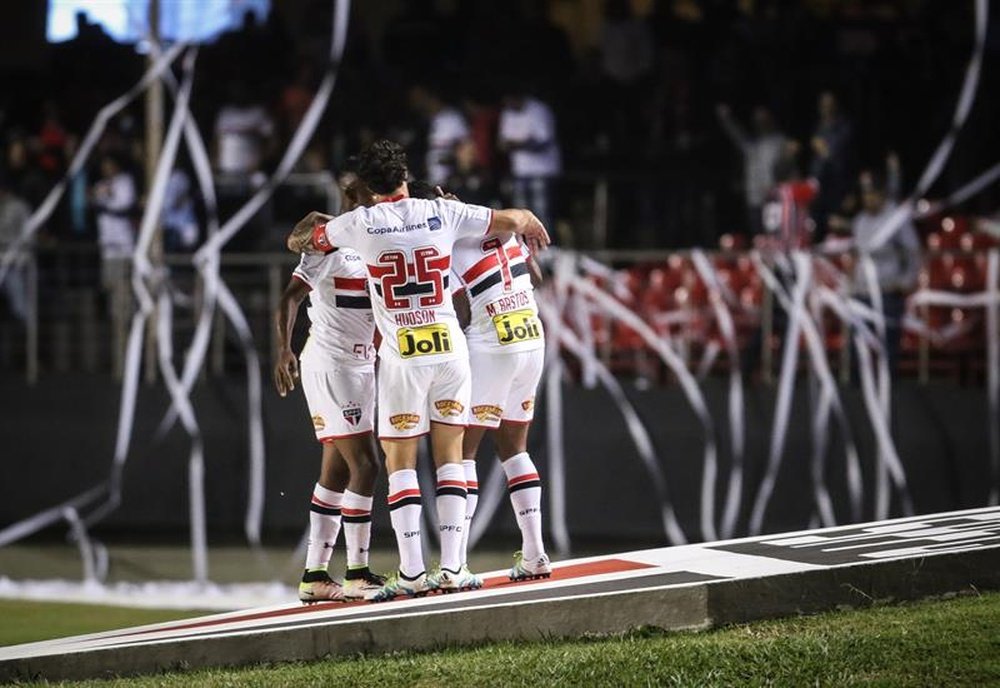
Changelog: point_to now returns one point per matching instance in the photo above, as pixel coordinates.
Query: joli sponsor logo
(424, 341)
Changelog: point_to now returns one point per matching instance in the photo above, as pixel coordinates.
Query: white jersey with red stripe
(342, 328)
(406, 244)
(495, 274)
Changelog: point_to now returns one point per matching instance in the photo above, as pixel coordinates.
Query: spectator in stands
(447, 129)
(114, 199)
(243, 136)
(832, 162)
(14, 214)
(528, 134)
(786, 216)
(896, 262)
(179, 222)
(52, 140)
(762, 150)
(471, 182)
(22, 173)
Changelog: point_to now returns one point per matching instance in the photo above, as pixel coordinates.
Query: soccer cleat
(321, 591)
(540, 567)
(398, 584)
(361, 584)
(445, 580)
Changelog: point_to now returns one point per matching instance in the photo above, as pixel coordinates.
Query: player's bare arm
(534, 271)
(286, 366)
(301, 239)
(462, 308)
(522, 222)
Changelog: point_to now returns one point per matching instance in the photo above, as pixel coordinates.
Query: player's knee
(511, 439)
(368, 467)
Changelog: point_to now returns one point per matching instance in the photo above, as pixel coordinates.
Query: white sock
(451, 494)
(404, 512)
(471, 501)
(324, 526)
(526, 497)
(357, 516)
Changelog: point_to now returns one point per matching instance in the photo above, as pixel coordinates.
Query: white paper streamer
(45, 210)
(993, 369)
(734, 492)
(637, 430)
(962, 108)
(821, 368)
(786, 382)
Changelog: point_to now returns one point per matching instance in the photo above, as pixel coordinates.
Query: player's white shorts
(410, 397)
(503, 386)
(341, 400)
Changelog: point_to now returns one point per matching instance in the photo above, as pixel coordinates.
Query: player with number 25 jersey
(424, 376)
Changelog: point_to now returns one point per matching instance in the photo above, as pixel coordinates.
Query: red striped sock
(404, 512)
(356, 514)
(451, 495)
(471, 501)
(324, 526)
(526, 497)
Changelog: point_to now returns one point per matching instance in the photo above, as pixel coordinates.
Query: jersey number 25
(402, 279)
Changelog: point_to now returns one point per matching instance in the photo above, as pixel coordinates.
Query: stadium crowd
(691, 114)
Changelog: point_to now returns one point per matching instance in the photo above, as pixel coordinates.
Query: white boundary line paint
(706, 559)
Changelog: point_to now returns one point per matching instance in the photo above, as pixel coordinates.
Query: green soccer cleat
(398, 584)
(539, 567)
(445, 580)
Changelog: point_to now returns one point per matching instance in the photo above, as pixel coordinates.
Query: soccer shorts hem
(411, 397)
(341, 401)
(333, 438)
(503, 386)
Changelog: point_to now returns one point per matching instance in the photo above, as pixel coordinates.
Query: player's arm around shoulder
(302, 236)
(522, 222)
(320, 233)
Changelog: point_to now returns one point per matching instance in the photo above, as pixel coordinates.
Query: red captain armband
(320, 241)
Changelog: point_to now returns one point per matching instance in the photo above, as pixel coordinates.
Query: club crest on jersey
(528, 404)
(449, 407)
(433, 223)
(424, 341)
(404, 421)
(487, 412)
(352, 413)
(318, 422)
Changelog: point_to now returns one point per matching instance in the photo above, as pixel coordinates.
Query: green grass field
(26, 622)
(936, 643)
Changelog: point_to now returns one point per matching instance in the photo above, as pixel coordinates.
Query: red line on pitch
(591, 568)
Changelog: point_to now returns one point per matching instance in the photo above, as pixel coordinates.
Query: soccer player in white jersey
(338, 379)
(506, 354)
(423, 383)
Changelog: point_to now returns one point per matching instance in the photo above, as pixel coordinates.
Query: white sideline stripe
(706, 559)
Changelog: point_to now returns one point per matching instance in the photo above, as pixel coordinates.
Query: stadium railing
(68, 329)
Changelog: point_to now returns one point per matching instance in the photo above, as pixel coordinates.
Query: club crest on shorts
(487, 412)
(318, 422)
(352, 413)
(528, 404)
(449, 407)
(404, 421)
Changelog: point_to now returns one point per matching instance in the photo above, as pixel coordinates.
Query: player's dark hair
(382, 166)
